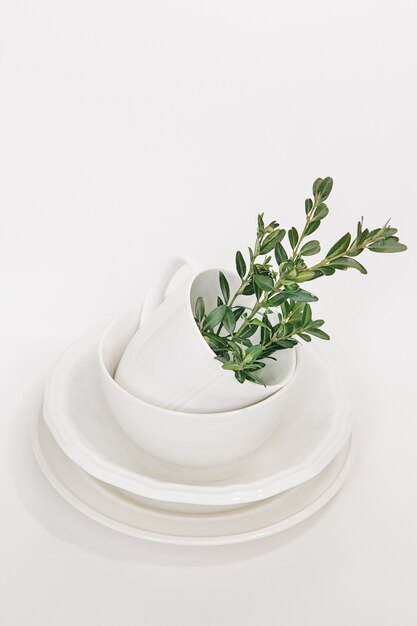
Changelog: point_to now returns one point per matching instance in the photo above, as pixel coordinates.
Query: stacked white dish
(102, 469)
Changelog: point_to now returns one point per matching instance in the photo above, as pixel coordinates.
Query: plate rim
(186, 540)
(98, 465)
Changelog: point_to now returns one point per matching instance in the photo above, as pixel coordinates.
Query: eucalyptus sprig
(280, 313)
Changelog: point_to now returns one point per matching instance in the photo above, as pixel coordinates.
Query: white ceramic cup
(169, 364)
(183, 438)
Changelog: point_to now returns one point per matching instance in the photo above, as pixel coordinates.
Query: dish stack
(171, 474)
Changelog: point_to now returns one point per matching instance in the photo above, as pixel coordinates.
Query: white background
(131, 131)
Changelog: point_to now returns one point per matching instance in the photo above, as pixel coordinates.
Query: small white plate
(117, 510)
(313, 429)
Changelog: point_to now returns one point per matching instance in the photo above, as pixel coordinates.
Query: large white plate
(116, 509)
(308, 437)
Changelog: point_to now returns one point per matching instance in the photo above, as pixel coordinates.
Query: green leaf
(297, 313)
(246, 342)
(266, 329)
(215, 342)
(261, 225)
(247, 332)
(249, 289)
(286, 343)
(312, 227)
(345, 262)
(388, 245)
(257, 322)
(316, 186)
(253, 353)
(293, 237)
(270, 241)
(265, 283)
(222, 359)
(325, 188)
(283, 330)
(254, 379)
(224, 286)
(220, 342)
(302, 277)
(258, 365)
(280, 253)
(290, 284)
(316, 323)
(238, 312)
(389, 232)
(302, 296)
(306, 317)
(236, 349)
(199, 309)
(308, 205)
(215, 317)
(353, 249)
(327, 271)
(339, 247)
(240, 377)
(321, 212)
(278, 299)
(318, 333)
(231, 365)
(219, 301)
(285, 307)
(305, 336)
(229, 321)
(270, 237)
(240, 264)
(280, 235)
(309, 248)
(258, 291)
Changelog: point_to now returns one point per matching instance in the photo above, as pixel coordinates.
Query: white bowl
(313, 427)
(182, 438)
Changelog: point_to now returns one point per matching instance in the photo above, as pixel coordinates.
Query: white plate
(308, 437)
(117, 510)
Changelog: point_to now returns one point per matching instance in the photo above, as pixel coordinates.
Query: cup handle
(158, 291)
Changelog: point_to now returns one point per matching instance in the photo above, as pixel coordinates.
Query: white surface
(140, 518)
(306, 438)
(131, 131)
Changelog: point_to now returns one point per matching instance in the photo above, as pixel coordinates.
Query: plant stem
(324, 262)
(307, 223)
(258, 306)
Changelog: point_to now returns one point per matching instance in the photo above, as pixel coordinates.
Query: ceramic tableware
(117, 510)
(168, 363)
(182, 437)
(313, 426)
